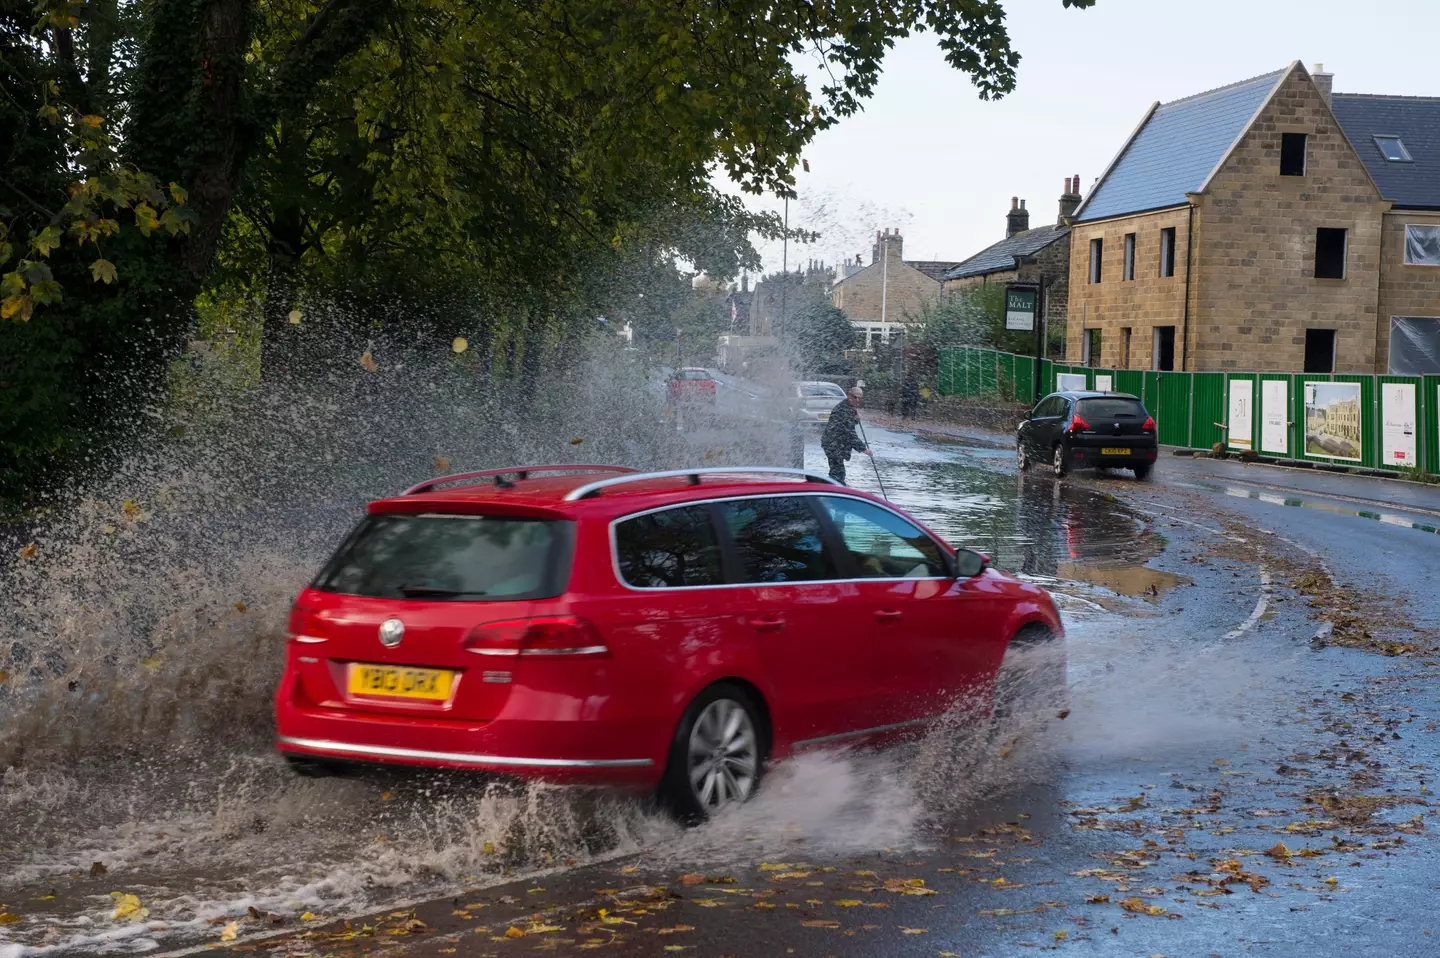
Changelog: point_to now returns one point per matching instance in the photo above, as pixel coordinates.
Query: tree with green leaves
(538, 153)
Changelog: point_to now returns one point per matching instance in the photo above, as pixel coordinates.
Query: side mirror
(969, 564)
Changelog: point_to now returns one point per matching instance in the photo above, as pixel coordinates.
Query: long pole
(873, 464)
(785, 266)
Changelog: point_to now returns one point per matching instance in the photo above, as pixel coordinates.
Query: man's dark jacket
(839, 437)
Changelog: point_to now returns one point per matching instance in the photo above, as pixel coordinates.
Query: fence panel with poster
(1385, 422)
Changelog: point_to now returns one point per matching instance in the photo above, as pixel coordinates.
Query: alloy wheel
(724, 755)
(1021, 459)
(1058, 463)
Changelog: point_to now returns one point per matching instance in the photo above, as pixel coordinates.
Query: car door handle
(888, 615)
(770, 624)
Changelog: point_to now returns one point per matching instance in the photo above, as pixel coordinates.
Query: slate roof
(1001, 256)
(934, 269)
(1176, 148)
(1416, 120)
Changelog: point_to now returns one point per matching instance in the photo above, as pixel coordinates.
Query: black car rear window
(460, 557)
(1111, 409)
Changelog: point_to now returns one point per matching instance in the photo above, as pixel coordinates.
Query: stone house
(1262, 226)
(1026, 255)
(888, 294)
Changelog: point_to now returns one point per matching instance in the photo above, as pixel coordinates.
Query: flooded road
(1213, 767)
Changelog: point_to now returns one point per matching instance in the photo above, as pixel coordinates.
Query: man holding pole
(839, 438)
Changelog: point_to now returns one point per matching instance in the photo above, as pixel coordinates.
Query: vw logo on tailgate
(391, 632)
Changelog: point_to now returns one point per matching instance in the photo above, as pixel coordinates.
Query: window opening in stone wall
(1292, 154)
(1393, 149)
(1414, 346)
(1125, 347)
(1097, 248)
(1129, 256)
(1422, 245)
(1319, 350)
(1164, 348)
(1092, 351)
(1167, 251)
(1330, 253)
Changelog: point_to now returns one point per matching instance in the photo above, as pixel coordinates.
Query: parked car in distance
(692, 383)
(669, 632)
(1094, 430)
(812, 402)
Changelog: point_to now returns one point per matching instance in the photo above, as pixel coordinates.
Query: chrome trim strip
(582, 650)
(841, 736)
(459, 758)
(615, 545)
(580, 492)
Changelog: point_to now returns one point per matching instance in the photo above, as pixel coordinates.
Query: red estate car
(692, 383)
(671, 631)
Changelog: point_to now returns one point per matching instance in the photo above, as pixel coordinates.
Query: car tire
(1060, 460)
(306, 767)
(1032, 678)
(1021, 460)
(1142, 471)
(717, 756)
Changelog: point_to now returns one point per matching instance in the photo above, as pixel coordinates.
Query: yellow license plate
(1113, 451)
(824, 417)
(400, 683)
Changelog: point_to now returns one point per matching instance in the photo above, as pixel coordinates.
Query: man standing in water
(839, 438)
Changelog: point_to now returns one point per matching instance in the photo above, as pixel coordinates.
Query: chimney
(1070, 199)
(1325, 82)
(891, 242)
(1018, 219)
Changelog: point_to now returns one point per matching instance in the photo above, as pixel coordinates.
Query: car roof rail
(694, 475)
(520, 472)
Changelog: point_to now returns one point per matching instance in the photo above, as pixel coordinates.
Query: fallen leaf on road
(9, 918)
(97, 868)
(1061, 935)
(309, 916)
(848, 902)
(678, 947)
(1279, 852)
(629, 869)
(1139, 907)
(230, 932)
(677, 928)
(908, 886)
(820, 923)
(459, 344)
(128, 907)
(914, 931)
(368, 361)
(1097, 899)
(694, 878)
(513, 932)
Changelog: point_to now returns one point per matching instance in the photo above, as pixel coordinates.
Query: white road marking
(1261, 605)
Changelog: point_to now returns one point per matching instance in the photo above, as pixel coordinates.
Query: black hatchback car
(1088, 430)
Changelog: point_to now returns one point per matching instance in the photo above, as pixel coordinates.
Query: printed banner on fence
(1397, 412)
(1068, 381)
(1242, 415)
(1332, 420)
(1104, 383)
(1275, 416)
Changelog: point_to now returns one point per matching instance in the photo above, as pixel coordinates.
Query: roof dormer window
(1392, 149)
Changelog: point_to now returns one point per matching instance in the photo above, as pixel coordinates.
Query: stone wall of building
(1255, 284)
(1404, 290)
(1116, 304)
(905, 290)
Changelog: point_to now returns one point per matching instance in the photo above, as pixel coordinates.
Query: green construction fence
(1370, 421)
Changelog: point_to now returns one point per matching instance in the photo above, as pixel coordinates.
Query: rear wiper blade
(433, 591)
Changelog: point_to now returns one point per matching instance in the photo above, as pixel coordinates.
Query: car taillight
(559, 636)
(1078, 423)
(304, 625)
(1149, 424)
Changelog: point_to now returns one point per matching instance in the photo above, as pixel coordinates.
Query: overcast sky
(929, 157)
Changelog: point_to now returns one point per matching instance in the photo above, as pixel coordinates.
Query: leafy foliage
(816, 338)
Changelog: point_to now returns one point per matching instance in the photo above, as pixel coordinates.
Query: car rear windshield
(813, 391)
(692, 374)
(466, 558)
(1111, 409)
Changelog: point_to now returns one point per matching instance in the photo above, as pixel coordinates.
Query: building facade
(888, 294)
(1040, 256)
(1245, 228)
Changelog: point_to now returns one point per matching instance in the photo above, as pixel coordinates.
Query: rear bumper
(526, 740)
(1093, 451)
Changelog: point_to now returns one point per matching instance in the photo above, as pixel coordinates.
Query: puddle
(1134, 581)
(1388, 518)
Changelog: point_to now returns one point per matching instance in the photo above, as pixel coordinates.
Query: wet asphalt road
(1227, 783)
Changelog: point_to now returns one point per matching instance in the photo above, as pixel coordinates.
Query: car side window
(777, 539)
(881, 544)
(668, 549)
(1044, 408)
